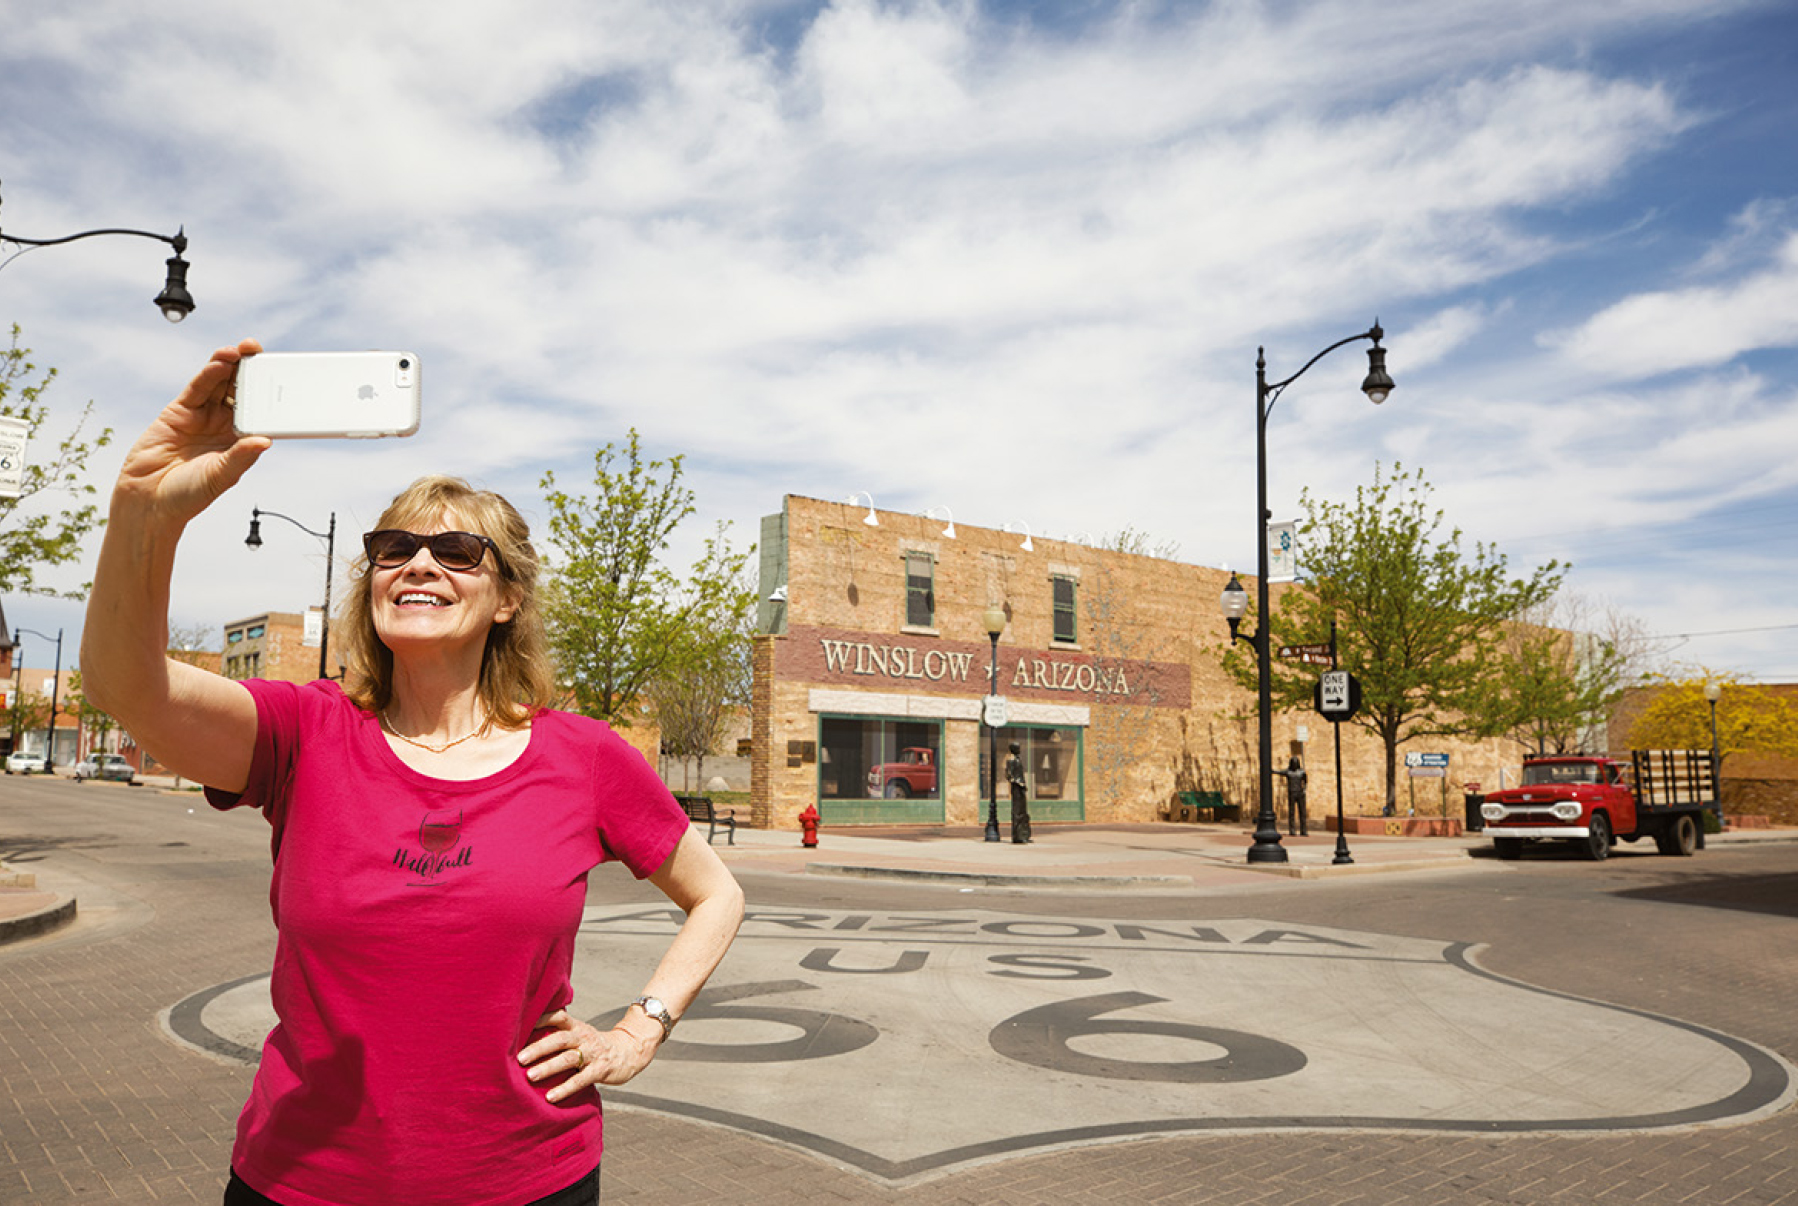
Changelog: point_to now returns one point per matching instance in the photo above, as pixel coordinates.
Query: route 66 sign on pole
(13, 434)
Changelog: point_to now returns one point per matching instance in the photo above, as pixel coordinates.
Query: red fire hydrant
(808, 825)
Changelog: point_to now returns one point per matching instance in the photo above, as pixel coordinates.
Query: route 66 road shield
(908, 1043)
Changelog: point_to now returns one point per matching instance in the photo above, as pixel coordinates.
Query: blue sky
(1008, 258)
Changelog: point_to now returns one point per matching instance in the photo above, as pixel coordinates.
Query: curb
(999, 879)
(51, 917)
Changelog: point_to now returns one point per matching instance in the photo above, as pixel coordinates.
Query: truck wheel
(1682, 837)
(1508, 847)
(896, 790)
(1598, 838)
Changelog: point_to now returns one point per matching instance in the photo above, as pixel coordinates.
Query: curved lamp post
(329, 536)
(1234, 601)
(175, 302)
(55, 682)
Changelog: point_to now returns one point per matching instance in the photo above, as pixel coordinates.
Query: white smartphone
(354, 395)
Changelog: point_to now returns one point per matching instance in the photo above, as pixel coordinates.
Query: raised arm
(199, 724)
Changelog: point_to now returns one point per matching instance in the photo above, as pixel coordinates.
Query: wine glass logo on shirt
(439, 832)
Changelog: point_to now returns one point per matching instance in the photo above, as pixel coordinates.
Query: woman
(433, 826)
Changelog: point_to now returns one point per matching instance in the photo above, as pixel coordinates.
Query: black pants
(584, 1192)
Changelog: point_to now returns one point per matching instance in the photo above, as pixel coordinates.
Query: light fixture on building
(1014, 528)
(175, 302)
(948, 532)
(870, 518)
(779, 595)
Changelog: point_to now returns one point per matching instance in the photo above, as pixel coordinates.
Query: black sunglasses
(390, 548)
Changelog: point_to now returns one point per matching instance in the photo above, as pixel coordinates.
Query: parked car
(105, 766)
(22, 763)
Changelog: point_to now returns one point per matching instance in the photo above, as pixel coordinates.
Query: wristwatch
(655, 1009)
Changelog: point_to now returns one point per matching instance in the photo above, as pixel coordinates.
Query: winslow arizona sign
(850, 658)
(903, 1043)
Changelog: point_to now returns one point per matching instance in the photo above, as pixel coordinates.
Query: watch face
(654, 1008)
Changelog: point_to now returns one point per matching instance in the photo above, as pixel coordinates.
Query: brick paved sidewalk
(98, 1105)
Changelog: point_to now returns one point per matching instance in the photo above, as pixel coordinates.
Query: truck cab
(1596, 801)
(913, 775)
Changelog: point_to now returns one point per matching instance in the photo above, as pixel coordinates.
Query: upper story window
(920, 590)
(1067, 623)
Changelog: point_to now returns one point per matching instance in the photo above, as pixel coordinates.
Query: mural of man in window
(1020, 809)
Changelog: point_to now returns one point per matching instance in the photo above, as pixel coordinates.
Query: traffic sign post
(1337, 697)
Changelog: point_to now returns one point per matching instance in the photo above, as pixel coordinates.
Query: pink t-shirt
(424, 926)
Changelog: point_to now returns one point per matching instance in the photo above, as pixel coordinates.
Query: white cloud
(943, 251)
(1668, 330)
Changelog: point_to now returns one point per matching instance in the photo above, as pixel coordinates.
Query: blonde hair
(516, 677)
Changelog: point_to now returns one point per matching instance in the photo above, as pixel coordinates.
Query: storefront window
(873, 769)
(1052, 770)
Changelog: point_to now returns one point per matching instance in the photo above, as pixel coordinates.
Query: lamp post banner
(1282, 551)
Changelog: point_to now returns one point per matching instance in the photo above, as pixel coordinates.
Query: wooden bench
(699, 810)
(1207, 805)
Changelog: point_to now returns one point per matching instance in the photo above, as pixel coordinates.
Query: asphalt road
(1467, 1035)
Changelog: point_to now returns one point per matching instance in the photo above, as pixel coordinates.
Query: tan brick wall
(1187, 727)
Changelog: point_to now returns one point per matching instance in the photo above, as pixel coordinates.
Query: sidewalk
(1150, 856)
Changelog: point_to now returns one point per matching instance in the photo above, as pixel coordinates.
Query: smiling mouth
(421, 600)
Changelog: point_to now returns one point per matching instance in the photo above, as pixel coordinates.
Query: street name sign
(1310, 655)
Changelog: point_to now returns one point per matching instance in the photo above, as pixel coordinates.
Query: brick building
(271, 645)
(873, 658)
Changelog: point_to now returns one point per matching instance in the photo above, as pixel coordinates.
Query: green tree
(1566, 663)
(712, 681)
(26, 713)
(618, 618)
(1419, 621)
(37, 529)
(91, 720)
(1750, 718)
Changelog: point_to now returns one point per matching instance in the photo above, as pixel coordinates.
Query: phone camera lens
(405, 363)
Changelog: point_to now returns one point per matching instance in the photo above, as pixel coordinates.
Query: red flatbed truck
(1595, 802)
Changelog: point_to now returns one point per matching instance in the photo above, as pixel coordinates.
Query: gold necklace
(434, 749)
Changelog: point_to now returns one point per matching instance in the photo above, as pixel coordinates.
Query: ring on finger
(580, 1058)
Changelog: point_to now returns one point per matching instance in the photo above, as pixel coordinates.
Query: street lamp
(994, 619)
(175, 302)
(329, 536)
(1713, 691)
(55, 682)
(1377, 385)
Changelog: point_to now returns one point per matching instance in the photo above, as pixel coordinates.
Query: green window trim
(1064, 602)
(920, 589)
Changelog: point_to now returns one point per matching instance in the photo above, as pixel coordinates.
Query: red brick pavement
(96, 1105)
